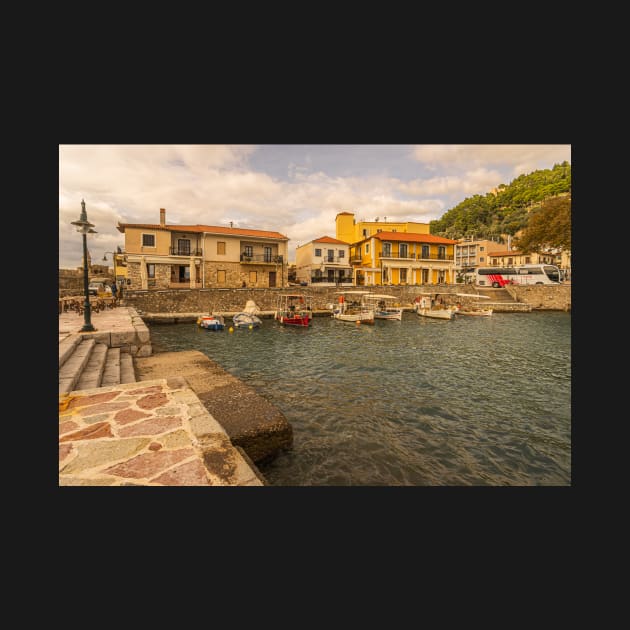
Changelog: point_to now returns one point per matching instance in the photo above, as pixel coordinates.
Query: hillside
(506, 212)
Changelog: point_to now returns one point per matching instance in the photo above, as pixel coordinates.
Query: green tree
(548, 226)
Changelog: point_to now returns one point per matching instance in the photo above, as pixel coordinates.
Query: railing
(177, 251)
(325, 279)
(261, 258)
(417, 256)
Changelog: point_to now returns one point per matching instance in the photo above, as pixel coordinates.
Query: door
(272, 279)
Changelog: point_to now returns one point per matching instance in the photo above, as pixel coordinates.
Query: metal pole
(87, 308)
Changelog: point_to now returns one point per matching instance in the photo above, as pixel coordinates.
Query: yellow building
(401, 258)
(351, 231)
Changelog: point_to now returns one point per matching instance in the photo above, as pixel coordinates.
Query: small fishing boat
(351, 307)
(246, 320)
(211, 322)
(482, 312)
(248, 317)
(428, 306)
(294, 309)
(378, 303)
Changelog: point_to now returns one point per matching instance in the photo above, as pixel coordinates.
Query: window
(248, 250)
(367, 248)
(494, 261)
(365, 232)
(221, 276)
(267, 253)
(221, 247)
(403, 275)
(425, 276)
(403, 250)
(481, 259)
(331, 255)
(528, 260)
(341, 254)
(151, 270)
(441, 252)
(425, 251)
(510, 261)
(387, 250)
(183, 247)
(253, 277)
(148, 240)
(481, 248)
(318, 252)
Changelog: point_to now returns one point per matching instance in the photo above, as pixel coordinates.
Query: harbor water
(471, 401)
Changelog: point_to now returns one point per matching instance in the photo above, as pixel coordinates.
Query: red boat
(294, 309)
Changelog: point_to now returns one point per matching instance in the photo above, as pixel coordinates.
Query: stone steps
(85, 363)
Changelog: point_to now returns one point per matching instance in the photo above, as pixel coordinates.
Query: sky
(293, 189)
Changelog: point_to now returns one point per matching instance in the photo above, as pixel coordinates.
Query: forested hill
(490, 215)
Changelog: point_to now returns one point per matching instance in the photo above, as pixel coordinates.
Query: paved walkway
(148, 433)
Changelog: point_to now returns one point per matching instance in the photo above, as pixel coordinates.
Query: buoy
(358, 321)
(250, 327)
(230, 329)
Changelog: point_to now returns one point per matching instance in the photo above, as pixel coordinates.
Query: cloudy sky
(294, 189)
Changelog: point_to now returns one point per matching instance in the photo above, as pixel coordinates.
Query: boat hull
(443, 313)
(294, 320)
(397, 315)
(483, 313)
(246, 320)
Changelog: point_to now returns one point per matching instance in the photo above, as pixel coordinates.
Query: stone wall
(231, 300)
(543, 296)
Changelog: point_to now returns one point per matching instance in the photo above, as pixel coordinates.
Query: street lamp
(85, 227)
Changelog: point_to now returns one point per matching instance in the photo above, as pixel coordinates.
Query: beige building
(163, 256)
(474, 253)
(324, 262)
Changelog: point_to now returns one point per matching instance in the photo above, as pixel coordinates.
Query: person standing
(114, 290)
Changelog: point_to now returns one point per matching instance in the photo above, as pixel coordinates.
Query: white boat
(248, 317)
(378, 303)
(428, 306)
(351, 307)
(246, 320)
(482, 312)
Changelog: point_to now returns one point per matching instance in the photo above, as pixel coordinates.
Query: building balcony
(262, 259)
(395, 256)
(183, 251)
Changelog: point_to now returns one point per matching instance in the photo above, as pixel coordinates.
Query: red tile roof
(511, 252)
(330, 239)
(214, 229)
(413, 237)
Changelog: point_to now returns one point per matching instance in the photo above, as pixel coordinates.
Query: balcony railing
(412, 256)
(183, 251)
(270, 259)
(344, 280)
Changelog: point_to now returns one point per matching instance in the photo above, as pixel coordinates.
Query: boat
(211, 322)
(431, 305)
(352, 307)
(378, 303)
(248, 317)
(472, 309)
(482, 312)
(293, 309)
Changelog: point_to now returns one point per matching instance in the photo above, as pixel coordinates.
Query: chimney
(162, 216)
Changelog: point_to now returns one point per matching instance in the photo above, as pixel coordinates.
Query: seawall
(195, 301)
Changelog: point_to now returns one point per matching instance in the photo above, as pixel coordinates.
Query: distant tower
(89, 260)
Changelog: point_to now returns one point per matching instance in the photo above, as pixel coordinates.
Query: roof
(214, 229)
(412, 237)
(507, 252)
(330, 239)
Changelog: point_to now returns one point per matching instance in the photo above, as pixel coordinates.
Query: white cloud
(476, 182)
(523, 158)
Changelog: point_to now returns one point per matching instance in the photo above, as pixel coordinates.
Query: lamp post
(85, 227)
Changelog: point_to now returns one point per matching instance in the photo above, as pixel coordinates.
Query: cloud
(522, 158)
(475, 182)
